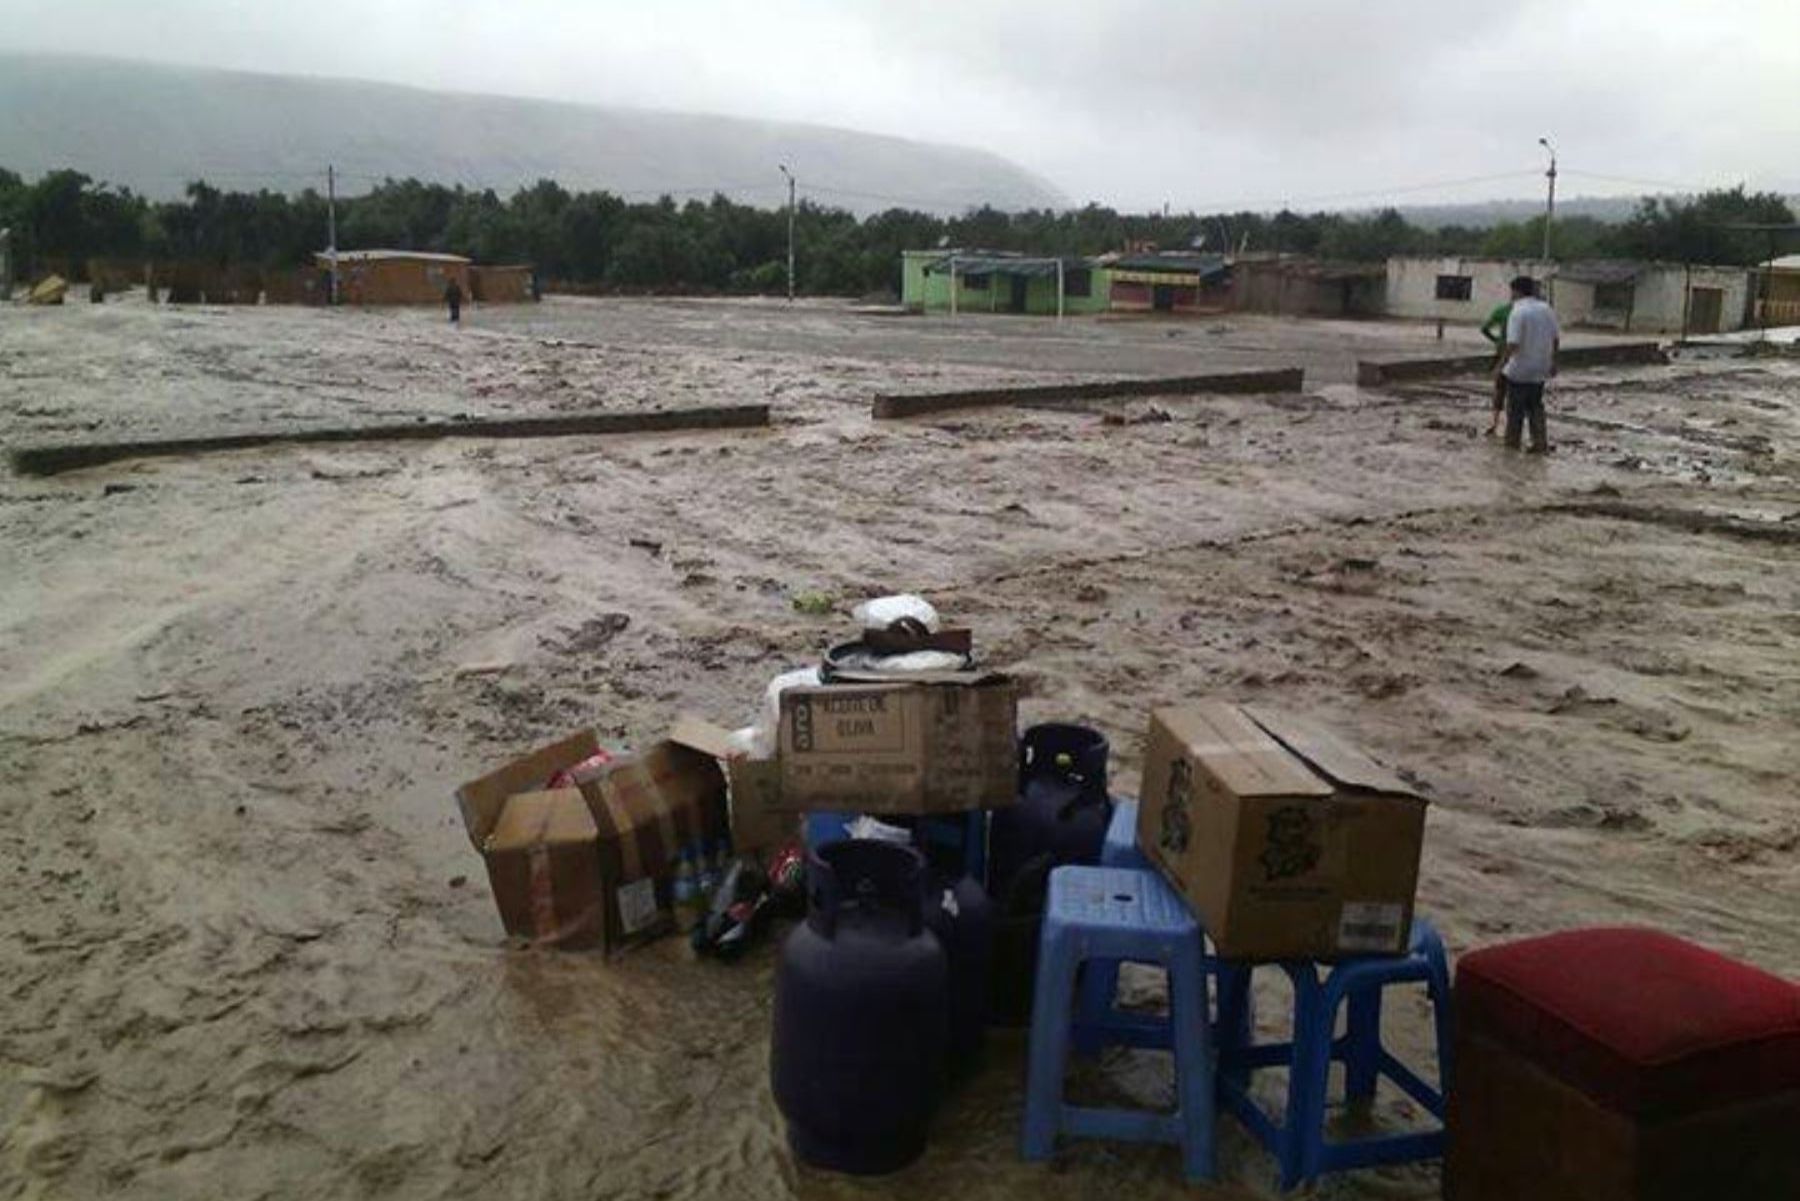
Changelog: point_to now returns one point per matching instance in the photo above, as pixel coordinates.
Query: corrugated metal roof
(1172, 264)
(376, 256)
(1002, 264)
(1787, 262)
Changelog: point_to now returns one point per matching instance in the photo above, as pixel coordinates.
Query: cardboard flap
(702, 736)
(1332, 757)
(483, 800)
(555, 818)
(1247, 760)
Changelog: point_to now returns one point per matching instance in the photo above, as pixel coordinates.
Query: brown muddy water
(248, 952)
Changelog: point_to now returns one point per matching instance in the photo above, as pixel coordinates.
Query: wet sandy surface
(248, 951)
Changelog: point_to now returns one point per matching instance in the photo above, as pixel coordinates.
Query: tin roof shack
(1665, 298)
(999, 281)
(502, 285)
(1778, 292)
(1167, 282)
(1300, 287)
(396, 276)
(1627, 295)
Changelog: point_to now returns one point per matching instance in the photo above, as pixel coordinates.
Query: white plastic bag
(875, 830)
(766, 726)
(884, 611)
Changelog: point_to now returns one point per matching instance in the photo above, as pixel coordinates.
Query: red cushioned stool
(1622, 1065)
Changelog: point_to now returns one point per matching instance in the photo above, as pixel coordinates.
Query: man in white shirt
(1532, 340)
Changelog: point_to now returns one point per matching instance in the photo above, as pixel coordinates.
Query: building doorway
(1706, 306)
(1016, 301)
(1162, 298)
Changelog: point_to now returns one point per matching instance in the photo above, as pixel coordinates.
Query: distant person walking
(1528, 363)
(1494, 330)
(453, 297)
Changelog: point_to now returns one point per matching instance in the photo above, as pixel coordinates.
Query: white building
(1636, 297)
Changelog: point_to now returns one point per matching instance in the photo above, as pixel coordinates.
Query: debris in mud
(814, 604)
(651, 546)
(589, 636)
(1518, 670)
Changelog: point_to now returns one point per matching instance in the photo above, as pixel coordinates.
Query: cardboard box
(758, 823)
(1288, 842)
(943, 743)
(590, 866)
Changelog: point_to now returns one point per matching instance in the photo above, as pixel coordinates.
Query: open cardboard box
(1288, 842)
(758, 822)
(590, 865)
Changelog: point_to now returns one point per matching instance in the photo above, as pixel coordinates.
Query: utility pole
(790, 179)
(1549, 200)
(331, 229)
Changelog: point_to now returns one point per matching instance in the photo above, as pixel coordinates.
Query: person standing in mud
(1528, 363)
(453, 298)
(1494, 330)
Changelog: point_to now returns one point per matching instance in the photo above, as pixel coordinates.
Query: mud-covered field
(247, 950)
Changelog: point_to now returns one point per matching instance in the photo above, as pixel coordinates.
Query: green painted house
(987, 281)
(999, 282)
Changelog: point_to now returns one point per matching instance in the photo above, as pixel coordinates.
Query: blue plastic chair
(1109, 914)
(1298, 1143)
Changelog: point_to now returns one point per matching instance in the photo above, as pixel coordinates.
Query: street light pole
(1550, 199)
(331, 230)
(790, 271)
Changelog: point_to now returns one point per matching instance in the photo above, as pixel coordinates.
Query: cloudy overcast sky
(1200, 103)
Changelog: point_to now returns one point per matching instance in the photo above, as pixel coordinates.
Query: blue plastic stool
(1121, 846)
(1104, 913)
(1100, 982)
(1298, 1143)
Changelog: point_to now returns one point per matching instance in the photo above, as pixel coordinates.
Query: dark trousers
(1525, 403)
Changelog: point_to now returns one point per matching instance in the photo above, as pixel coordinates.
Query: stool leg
(1438, 987)
(1050, 1016)
(1362, 1057)
(1099, 996)
(1234, 1020)
(1309, 1072)
(1193, 1060)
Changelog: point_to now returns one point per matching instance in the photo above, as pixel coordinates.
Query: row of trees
(598, 239)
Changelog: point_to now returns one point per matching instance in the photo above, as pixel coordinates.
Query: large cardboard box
(942, 743)
(1288, 842)
(590, 865)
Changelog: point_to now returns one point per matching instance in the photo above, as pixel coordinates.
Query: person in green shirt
(1494, 330)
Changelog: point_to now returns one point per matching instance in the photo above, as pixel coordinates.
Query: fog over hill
(153, 128)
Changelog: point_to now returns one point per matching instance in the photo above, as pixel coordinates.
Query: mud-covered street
(248, 952)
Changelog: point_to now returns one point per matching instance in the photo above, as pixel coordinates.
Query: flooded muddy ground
(248, 950)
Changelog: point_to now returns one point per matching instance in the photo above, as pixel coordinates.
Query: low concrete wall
(70, 456)
(1371, 374)
(1286, 379)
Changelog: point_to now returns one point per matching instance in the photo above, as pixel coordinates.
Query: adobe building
(396, 276)
(1626, 295)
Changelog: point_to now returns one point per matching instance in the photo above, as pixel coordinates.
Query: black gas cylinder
(861, 1012)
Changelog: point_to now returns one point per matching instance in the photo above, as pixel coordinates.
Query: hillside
(153, 128)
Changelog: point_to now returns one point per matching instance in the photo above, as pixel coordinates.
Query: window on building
(1455, 287)
(1614, 298)
(974, 283)
(1079, 282)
